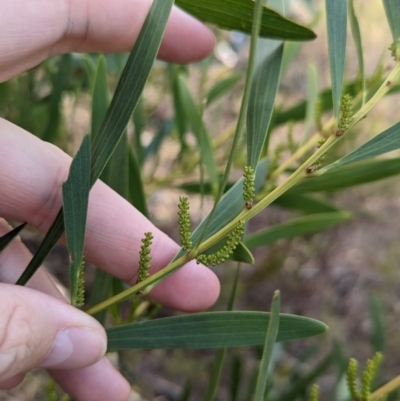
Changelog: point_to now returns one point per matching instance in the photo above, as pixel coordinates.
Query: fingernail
(75, 348)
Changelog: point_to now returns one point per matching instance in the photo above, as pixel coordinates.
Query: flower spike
(184, 223)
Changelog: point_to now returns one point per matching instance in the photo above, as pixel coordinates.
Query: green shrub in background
(108, 153)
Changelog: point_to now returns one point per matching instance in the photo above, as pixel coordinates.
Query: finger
(32, 172)
(18, 256)
(53, 27)
(37, 330)
(13, 261)
(99, 382)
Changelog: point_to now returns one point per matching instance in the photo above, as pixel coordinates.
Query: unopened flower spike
(184, 223)
(145, 257)
(226, 251)
(367, 378)
(80, 297)
(314, 393)
(369, 374)
(249, 191)
(351, 378)
(346, 115)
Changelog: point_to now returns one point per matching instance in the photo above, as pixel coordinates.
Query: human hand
(31, 174)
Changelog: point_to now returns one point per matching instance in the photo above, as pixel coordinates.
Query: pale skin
(31, 174)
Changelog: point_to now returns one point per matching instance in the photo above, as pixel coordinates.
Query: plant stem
(386, 389)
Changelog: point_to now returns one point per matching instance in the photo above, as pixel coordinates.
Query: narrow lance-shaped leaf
(101, 290)
(130, 85)
(355, 29)
(295, 227)
(127, 94)
(377, 336)
(76, 198)
(117, 170)
(194, 119)
(348, 176)
(305, 203)
(270, 338)
(100, 100)
(136, 191)
(238, 15)
(336, 19)
(6, 239)
(101, 287)
(392, 9)
(262, 98)
(222, 87)
(305, 381)
(59, 83)
(384, 142)
(164, 131)
(215, 374)
(210, 330)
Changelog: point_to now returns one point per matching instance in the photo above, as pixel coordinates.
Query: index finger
(32, 31)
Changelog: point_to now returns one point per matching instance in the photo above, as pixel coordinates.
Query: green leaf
(59, 83)
(139, 121)
(355, 29)
(130, 85)
(262, 98)
(127, 94)
(193, 118)
(307, 379)
(238, 15)
(76, 199)
(100, 99)
(242, 254)
(202, 187)
(336, 19)
(179, 113)
(136, 191)
(377, 337)
(90, 68)
(6, 239)
(216, 371)
(210, 330)
(305, 203)
(117, 170)
(349, 176)
(155, 144)
(392, 9)
(270, 338)
(295, 227)
(230, 205)
(222, 87)
(384, 142)
(101, 290)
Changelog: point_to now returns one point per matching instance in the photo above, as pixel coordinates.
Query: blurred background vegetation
(346, 276)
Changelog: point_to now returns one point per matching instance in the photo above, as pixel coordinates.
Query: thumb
(37, 330)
